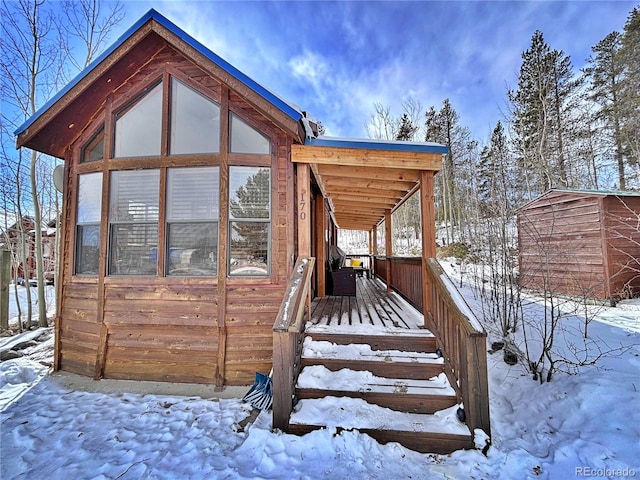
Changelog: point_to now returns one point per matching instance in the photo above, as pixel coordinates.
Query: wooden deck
(372, 305)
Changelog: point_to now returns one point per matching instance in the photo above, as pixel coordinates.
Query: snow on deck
(373, 310)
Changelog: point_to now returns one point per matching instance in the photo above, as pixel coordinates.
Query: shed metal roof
(584, 192)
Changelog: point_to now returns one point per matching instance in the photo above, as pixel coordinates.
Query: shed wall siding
(561, 246)
(623, 245)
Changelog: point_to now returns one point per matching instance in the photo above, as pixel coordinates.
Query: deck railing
(364, 258)
(287, 340)
(459, 334)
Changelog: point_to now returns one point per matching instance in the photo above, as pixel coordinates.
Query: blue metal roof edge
(394, 145)
(278, 102)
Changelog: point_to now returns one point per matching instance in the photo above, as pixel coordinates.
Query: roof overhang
(362, 179)
(75, 100)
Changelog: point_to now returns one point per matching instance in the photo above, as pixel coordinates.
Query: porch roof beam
(366, 157)
(362, 183)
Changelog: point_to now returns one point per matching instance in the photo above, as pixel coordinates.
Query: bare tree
(382, 125)
(87, 22)
(36, 58)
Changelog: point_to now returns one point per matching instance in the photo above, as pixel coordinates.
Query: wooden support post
(5, 275)
(101, 354)
(304, 216)
(427, 220)
(374, 250)
(223, 239)
(388, 247)
(321, 248)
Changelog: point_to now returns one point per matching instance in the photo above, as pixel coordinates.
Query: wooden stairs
(391, 386)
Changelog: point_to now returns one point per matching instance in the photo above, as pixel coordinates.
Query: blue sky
(336, 59)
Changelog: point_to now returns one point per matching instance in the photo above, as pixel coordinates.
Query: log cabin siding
(567, 243)
(174, 328)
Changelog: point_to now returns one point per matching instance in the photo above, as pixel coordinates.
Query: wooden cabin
(199, 210)
(581, 243)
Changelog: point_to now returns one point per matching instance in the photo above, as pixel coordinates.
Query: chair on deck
(343, 279)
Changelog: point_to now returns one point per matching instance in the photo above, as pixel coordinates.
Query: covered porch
(420, 355)
(373, 306)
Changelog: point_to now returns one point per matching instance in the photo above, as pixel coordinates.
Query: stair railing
(462, 341)
(288, 336)
(459, 334)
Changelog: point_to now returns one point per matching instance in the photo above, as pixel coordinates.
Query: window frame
(173, 79)
(113, 224)
(81, 224)
(129, 106)
(168, 222)
(96, 138)
(268, 221)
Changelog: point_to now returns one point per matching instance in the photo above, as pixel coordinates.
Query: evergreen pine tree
(630, 89)
(541, 114)
(493, 184)
(605, 75)
(407, 130)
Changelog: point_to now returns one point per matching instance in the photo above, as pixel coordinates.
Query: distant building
(11, 240)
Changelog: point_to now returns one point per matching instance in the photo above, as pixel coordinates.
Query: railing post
(287, 344)
(282, 378)
(477, 388)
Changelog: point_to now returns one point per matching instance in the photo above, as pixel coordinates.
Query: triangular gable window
(94, 149)
(195, 121)
(246, 139)
(139, 126)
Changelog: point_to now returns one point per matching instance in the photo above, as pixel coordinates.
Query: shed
(583, 243)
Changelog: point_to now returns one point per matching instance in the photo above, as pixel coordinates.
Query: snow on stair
(348, 413)
(363, 329)
(320, 378)
(330, 350)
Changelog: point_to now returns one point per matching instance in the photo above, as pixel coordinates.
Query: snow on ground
(585, 425)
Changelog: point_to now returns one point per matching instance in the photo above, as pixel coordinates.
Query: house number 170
(303, 205)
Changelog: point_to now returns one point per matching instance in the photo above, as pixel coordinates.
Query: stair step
(407, 395)
(440, 432)
(379, 338)
(383, 363)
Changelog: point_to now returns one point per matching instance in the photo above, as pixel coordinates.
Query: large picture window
(249, 220)
(192, 221)
(88, 223)
(133, 222)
